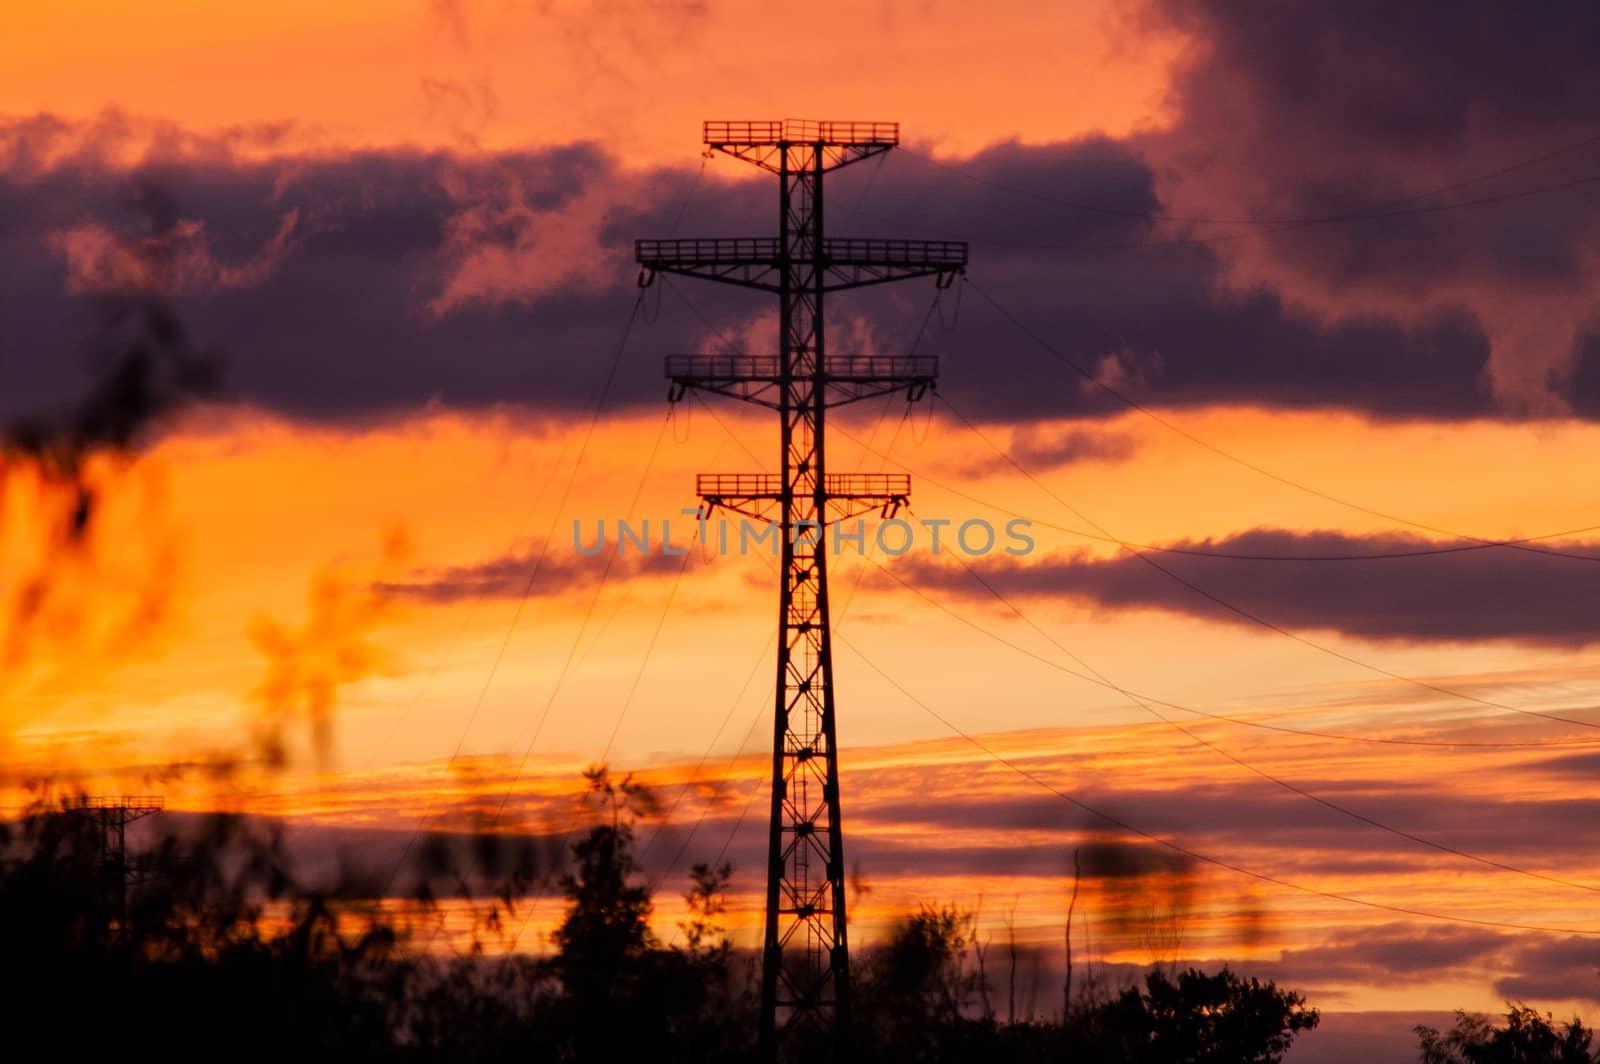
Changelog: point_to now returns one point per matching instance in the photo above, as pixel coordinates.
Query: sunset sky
(1249, 279)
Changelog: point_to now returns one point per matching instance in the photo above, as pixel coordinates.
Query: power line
(806, 894)
(682, 848)
(649, 649)
(1226, 555)
(1278, 781)
(566, 665)
(655, 635)
(866, 190)
(1248, 615)
(1195, 855)
(1241, 721)
(583, 627)
(433, 670)
(739, 751)
(422, 688)
(605, 390)
(844, 609)
(633, 689)
(688, 194)
(1172, 426)
(1473, 543)
(533, 575)
(760, 782)
(616, 726)
(1135, 547)
(1325, 802)
(705, 808)
(744, 811)
(1340, 808)
(1188, 709)
(694, 776)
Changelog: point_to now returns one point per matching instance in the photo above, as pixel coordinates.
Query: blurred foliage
(224, 952)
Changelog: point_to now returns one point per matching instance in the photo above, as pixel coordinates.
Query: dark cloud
(375, 282)
(1554, 971)
(1333, 108)
(1249, 809)
(1401, 952)
(1429, 77)
(561, 569)
(1243, 819)
(1500, 593)
(1583, 384)
(1165, 329)
(1580, 766)
(406, 279)
(357, 286)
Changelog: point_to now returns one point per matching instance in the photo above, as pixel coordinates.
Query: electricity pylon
(805, 956)
(112, 814)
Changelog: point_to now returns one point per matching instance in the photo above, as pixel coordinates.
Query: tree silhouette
(1201, 1019)
(607, 921)
(1527, 1038)
(603, 940)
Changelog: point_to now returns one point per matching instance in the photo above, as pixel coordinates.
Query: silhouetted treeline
(223, 953)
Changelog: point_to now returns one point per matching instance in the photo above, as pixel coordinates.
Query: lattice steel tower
(112, 814)
(805, 961)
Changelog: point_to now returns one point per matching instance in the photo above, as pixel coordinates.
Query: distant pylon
(113, 814)
(805, 954)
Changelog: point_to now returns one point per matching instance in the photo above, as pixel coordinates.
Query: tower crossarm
(846, 262)
(854, 262)
(836, 142)
(750, 262)
(758, 378)
(128, 807)
(848, 494)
